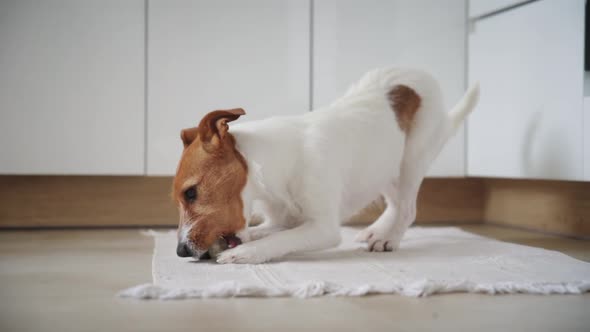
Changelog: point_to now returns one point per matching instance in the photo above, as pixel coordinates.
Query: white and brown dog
(312, 171)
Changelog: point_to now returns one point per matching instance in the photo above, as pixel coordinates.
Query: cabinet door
(72, 87)
(208, 55)
(351, 37)
(529, 122)
(485, 7)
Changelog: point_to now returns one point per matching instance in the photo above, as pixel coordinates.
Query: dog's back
(358, 142)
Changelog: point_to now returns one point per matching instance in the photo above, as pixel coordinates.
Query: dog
(309, 172)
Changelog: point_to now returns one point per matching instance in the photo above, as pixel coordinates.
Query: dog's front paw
(379, 240)
(380, 245)
(385, 241)
(243, 254)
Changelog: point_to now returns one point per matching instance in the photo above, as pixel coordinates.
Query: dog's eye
(190, 194)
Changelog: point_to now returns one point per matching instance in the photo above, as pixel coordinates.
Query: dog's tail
(464, 107)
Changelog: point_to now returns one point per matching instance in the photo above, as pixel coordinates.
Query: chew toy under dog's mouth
(222, 244)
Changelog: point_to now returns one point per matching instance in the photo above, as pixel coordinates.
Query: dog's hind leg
(387, 231)
(386, 219)
(427, 130)
(422, 146)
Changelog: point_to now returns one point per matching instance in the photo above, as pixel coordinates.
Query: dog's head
(208, 184)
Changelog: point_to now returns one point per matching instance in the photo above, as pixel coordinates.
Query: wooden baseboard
(557, 207)
(441, 200)
(85, 201)
(103, 201)
(91, 201)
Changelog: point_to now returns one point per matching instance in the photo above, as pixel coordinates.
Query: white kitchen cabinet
(351, 37)
(529, 122)
(486, 7)
(72, 87)
(208, 55)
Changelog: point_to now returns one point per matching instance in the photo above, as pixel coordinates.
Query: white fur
(313, 171)
(183, 233)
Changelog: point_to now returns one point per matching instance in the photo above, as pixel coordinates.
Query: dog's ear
(213, 127)
(188, 135)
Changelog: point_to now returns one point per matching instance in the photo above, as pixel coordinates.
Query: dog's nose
(182, 250)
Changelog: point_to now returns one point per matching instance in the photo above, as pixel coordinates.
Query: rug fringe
(310, 289)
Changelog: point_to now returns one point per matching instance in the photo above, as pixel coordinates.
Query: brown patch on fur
(405, 102)
(219, 172)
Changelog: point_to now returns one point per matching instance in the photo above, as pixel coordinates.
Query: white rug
(430, 260)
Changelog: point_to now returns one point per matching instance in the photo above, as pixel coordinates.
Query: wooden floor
(67, 280)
